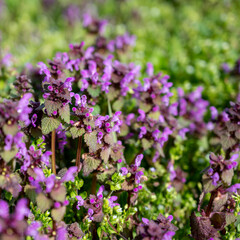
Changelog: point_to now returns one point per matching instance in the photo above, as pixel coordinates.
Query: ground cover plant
(96, 146)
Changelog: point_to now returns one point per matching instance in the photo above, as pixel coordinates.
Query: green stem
(53, 142)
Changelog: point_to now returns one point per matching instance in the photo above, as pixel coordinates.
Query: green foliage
(49, 124)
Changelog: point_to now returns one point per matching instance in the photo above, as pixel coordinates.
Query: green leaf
(49, 124)
(10, 129)
(64, 113)
(117, 105)
(51, 106)
(145, 107)
(94, 92)
(58, 214)
(112, 94)
(43, 202)
(30, 192)
(146, 144)
(91, 140)
(90, 164)
(96, 110)
(77, 132)
(58, 194)
(99, 232)
(9, 155)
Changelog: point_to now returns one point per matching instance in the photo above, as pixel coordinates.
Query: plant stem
(110, 114)
(94, 184)
(53, 142)
(79, 149)
(209, 207)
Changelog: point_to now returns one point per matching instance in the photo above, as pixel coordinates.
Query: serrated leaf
(94, 92)
(218, 220)
(58, 214)
(154, 115)
(117, 105)
(64, 113)
(207, 184)
(58, 194)
(96, 110)
(90, 164)
(227, 141)
(30, 192)
(146, 144)
(77, 132)
(109, 139)
(51, 106)
(9, 155)
(49, 124)
(91, 140)
(112, 94)
(237, 134)
(219, 202)
(43, 202)
(145, 107)
(227, 176)
(89, 122)
(10, 129)
(230, 218)
(105, 153)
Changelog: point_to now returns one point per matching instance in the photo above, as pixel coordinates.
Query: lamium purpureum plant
(101, 150)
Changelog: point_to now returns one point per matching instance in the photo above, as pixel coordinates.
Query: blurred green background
(189, 40)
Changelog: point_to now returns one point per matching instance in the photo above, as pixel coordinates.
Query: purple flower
(80, 202)
(214, 112)
(234, 188)
(69, 175)
(4, 209)
(143, 131)
(215, 179)
(138, 160)
(111, 201)
(124, 171)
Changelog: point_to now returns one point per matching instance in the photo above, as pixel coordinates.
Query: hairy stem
(94, 184)
(53, 143)
(110, 114)
(79, 149)
(209, 207)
